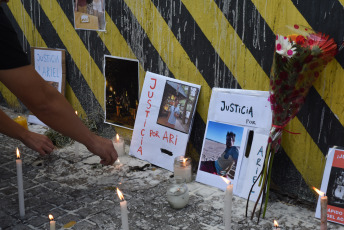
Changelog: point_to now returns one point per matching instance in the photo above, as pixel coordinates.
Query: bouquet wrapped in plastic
(300, 56)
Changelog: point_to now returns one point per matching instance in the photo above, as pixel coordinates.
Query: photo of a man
(178, 106)
(174, 113)
(221, 149)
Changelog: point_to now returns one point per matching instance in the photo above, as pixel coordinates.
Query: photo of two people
(221, 149)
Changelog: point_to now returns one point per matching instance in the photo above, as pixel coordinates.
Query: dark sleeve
(11, 52)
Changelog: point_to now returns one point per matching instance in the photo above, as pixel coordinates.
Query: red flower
(300, 40)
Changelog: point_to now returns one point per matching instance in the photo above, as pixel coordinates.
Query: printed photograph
(178, 106)
(121, 91)
(335, 188)
(221, 149)
(89, 14)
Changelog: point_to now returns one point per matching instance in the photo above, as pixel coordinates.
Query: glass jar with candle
(178, 193)
(183, 168)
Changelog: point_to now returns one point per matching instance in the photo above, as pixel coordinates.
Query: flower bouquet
(300, 56)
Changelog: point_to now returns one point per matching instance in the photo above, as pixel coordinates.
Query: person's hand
(103, 148)
(38, 142)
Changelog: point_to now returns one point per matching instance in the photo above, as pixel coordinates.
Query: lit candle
(276, 225)
(118, 143)
(323, 210)
(182, 168)
(19, 164)
(124, 211)
(178, 193)
(52, 222)
(227, 216)
(76, 144)
(21, 120)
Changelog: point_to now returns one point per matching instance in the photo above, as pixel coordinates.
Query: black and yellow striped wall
(214, 43)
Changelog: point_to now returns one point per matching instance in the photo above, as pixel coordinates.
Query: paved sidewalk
(72, 186)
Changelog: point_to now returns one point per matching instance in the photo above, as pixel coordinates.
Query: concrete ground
(71, 185)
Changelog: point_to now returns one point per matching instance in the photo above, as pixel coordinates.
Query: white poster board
(50, 65)
(241, 112)
(333, 186)
(164, 119)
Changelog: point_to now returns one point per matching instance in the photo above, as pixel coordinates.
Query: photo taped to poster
(121, 91)
(178, 106)
(89, 14)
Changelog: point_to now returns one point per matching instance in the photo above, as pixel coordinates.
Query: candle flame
(184, 161)
(117, 137)
(76, 112)
(51, 217)
(275, 224)
(18, 153)
(319, 192)
(120, 195)
(226, 180)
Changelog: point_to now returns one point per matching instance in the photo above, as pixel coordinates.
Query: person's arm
(35, 141)
(54, 110)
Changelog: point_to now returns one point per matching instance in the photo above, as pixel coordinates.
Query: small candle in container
(21, 120)
(124, 210)
(19, 164)
(323, 209)
(118, 143)
(182, 168)
(52, 222)
(227, 215)
(276, 225)
(178, 193)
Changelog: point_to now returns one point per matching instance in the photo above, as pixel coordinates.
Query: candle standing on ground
(182, 168)
(227, 216)
(124, 210)
(323, 209)
(276, 225)
(76, 144)
(118, 143)
(21, 120)
(19, 164)
(52, 222)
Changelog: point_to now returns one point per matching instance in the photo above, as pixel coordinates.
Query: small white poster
(235, 140)
(49, 65)
(164, 119)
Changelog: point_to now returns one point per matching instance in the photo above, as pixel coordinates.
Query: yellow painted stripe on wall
(76, 48)
(228, 44)
(301, 149)
(35, 40)
(9, 97)
(278, 13)
(341, 2)
(170, 50)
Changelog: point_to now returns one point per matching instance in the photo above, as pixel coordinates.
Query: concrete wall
(217, 43)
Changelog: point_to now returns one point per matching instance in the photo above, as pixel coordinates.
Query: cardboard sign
(243, 117)
(51, 65)
(333, 186)
(164, 119)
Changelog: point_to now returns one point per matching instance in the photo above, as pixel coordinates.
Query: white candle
(118, 143)
(227, 216)
(323, 205)
(124, 211)
(178, 197)
(20, 185)
(276, 225)
(182, 168)
(323, 209)
(52, 222)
